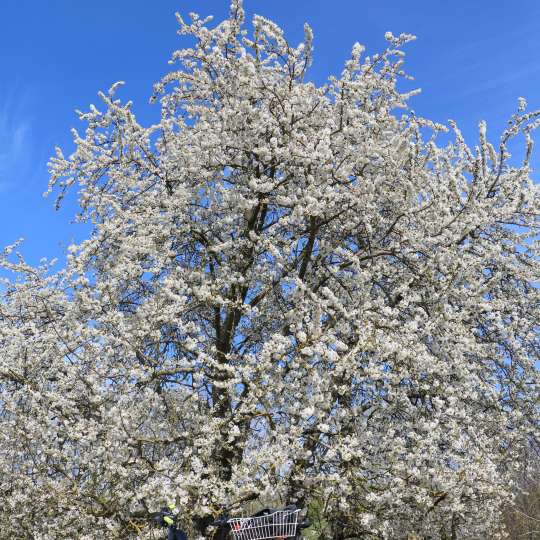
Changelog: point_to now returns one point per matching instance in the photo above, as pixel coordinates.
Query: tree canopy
(291, 291)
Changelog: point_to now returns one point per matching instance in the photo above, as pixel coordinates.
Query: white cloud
(14, 137)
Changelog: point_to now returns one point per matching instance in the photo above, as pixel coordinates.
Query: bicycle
(267, 524)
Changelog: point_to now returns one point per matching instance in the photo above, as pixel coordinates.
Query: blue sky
(472, 59)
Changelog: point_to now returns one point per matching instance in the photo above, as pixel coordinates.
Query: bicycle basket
(279, 524)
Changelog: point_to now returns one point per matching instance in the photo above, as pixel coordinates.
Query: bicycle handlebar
(166, 518)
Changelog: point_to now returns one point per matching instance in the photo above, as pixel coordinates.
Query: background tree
(291, 292)
(521, 517)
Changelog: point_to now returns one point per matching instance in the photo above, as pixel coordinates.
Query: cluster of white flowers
(288, 291)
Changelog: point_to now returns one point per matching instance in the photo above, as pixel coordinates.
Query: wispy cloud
(15, 137)
(502, 60)
(500, 81)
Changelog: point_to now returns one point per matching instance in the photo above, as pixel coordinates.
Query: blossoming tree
(291, 292)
